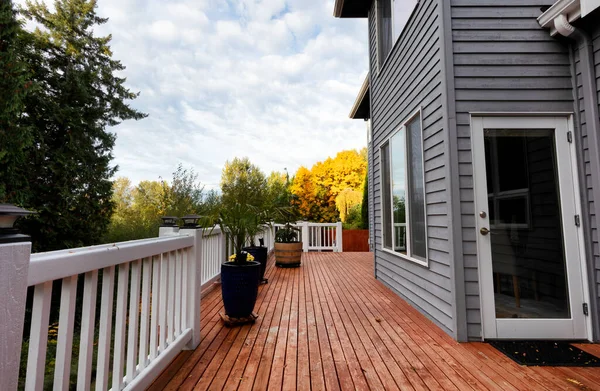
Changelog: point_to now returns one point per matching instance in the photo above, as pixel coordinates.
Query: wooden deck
(330, 325)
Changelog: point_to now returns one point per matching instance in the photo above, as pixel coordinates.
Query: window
(392, 16)
(403, 192)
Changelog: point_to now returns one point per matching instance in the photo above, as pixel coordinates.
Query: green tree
(78, 96)
(185, 193)
(14, 85)
(278, 189)
(243, 183)
(364, 211)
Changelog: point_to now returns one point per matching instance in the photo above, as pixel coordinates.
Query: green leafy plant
(288, 216)
(287, 234)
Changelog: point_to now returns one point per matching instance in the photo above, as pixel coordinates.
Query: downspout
(592, 118)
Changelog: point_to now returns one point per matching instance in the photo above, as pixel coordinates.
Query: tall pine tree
(14, 85)
(79, 96)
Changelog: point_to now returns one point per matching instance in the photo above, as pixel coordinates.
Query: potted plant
(240, 275)
(260, 252)
(288, 249)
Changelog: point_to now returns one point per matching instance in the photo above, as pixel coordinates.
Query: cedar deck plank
(290, 367)
(335, 369)
(275, 380)
(331, 311)
(426, 329)
(421, 372)
(276, 333)
(330, 325)
(351, 297)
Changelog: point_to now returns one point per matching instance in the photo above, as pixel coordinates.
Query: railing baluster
(178, 268)
(38, 341)
(88, 326)
(120, 322)
(104, 336)
(155, 315)
(64, 345)
(171, 299)
(184, 289)
(134, 314)
(145, 314)
(164, 280)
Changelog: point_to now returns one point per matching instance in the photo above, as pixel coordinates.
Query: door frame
(491, 327)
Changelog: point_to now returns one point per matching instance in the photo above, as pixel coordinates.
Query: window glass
(402, 9)
(384, 28)
(399, 190)
(386, 199)
(403, 186)
(418, 230)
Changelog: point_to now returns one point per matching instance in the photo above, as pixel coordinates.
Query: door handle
(484, 231)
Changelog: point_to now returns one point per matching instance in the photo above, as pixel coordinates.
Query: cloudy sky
(273, 80)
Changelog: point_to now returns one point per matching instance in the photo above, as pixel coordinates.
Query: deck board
(329, 325)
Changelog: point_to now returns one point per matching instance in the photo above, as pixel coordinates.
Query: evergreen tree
(14, 85)
(79, 97)
(364, 211)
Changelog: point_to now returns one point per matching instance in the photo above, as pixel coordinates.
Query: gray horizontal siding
(409, 79)
(503, 61)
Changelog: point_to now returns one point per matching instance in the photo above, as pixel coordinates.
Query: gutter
(570, 9)
(561, 25)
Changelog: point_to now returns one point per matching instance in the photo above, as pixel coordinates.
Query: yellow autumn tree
(346, 200)
(317, 190)
(304, 193)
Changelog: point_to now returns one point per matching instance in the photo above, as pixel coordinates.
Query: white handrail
(51, 266)
(155, 310)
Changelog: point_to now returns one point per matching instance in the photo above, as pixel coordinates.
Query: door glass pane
(398, 144)
(528, 258)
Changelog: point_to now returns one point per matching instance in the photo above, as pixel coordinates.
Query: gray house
(485, 161)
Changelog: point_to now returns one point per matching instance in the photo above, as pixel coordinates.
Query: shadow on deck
(331, 325)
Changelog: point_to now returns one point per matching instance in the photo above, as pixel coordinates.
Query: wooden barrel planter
(288, 254)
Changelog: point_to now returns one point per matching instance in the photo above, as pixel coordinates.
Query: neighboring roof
(351, 8)
(362, 106)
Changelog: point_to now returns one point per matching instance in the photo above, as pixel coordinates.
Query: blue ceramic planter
(239, 287)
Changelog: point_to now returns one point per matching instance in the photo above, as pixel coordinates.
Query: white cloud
(273, 80)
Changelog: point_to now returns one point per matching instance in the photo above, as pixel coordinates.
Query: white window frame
(408, 256)
(381, 63)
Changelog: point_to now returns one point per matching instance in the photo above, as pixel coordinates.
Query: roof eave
(351, 8)
(360, 99)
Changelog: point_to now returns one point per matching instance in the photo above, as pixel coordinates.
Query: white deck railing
(131, 306)
(318, 236)
(151, 309)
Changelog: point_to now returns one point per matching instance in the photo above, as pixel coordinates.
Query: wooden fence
(355, 240)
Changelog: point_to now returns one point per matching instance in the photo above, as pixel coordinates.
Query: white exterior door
(528, 228)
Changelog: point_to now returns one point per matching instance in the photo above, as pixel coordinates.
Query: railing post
(194, 284)
(165, 230)
(338, 240)
(305, 236)
(14, 266)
